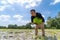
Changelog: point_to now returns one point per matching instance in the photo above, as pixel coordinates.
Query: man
(34, 14)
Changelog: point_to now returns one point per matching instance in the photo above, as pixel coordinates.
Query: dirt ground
(27, 34)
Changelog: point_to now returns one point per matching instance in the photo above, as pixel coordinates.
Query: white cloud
(15, 19)
(23, 3)
(26, 3)
(55, 2)
(4, 17)
(2, 8)
(18, 17)
(19, 20)
(33, 3)
(4, 4)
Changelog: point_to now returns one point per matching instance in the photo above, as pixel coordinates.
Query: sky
(18, 11)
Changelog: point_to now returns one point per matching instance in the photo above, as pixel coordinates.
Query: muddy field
(27, 34)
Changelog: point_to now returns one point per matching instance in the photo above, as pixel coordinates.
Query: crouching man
(37, 19)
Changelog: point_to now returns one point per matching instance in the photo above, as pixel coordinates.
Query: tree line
(54, 22)
(51, 23)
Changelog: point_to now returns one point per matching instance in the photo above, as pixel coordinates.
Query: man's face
(33, 13)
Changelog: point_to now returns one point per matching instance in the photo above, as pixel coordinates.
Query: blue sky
(18, 11)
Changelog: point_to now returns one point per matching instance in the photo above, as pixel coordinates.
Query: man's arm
(31, 19)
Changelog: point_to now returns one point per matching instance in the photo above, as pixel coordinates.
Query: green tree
(28, 25)
(12, 26)
(54, 22)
